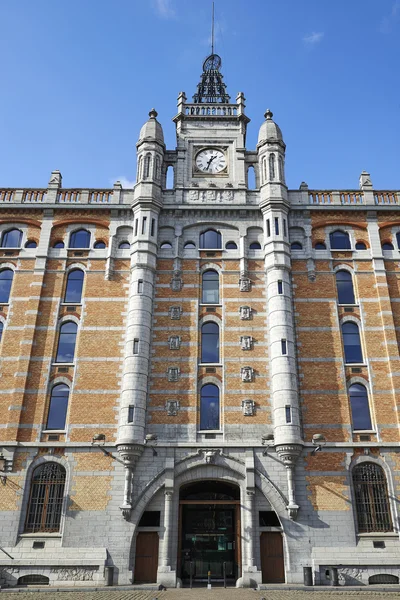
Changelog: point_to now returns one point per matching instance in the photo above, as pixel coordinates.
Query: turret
(271, 159)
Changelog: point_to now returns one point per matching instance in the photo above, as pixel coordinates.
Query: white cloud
(388, 20)
(124, 181)
(164, 9)
(314, 38)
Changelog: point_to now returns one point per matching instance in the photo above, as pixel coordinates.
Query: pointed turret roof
(211, 88)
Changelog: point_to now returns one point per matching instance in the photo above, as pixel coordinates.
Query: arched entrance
(209, 531)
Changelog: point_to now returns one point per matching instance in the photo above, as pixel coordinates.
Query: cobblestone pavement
(200, 594)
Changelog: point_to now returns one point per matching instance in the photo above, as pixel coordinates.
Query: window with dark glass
(372, 498)
(339, 240)
(1, 330)
(398, 239)
(351, 343)
(46, 498)
(66, 342)
(387, 246)
(165, 245)
(58, 407)
(344, 286)
(296, 246)
(6, 279)
(99, 245)
(255, 246)
(276, 221)
(280, 286)
(211, 239)
(124, 245)
(210, 343)
(73, 290)
(361, 246)
(360, 413)
(80, 239)
(58, 245)
(209, 407)
(11, 238)
(320, 246)
(231, 246)
(189, 246)
(31, 244)
(210, 287)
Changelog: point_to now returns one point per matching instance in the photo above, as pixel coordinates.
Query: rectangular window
(284, 347)
(140, 286)
(144, 220)
(284, 227)
(153, 226)
(150, 518)
(288, 413)
(276, 226)
(280, 287)
(131, 410)
(268, 228)
(136, 226)
(136, 346)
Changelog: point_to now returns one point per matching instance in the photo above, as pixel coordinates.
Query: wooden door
(146, 561)
(272, 564)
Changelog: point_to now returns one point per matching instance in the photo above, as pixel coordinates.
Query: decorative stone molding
(245, 284)
(175, 312)
(176, 281)
(129, 454)
(289, 454)
(210, 454)
(249, 408)
(172, 407)
(247, 374)
(246, 342)
(246, 313)
(214, 195)
(174, 342)
(74, 573)
(173, 373)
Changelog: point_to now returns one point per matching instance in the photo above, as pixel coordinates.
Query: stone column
(165, 557)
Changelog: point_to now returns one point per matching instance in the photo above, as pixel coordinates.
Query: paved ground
(200, 594)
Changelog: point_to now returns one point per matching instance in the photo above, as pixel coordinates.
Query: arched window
(272, 167)
(31, 244)
(344, 286)
(209, 407)
(320, 246)
(251, 178)
(6, 279)
(170, 178)
(281, 169)
(33, 579)
(398, 239)
(264, 170)
(1, 330)
(296, 246)
(372, 499)
(80, 239)
(210, 287)
(139, 168)
(189, 246)
(124, 245)
(211, 239)
(46, 498)
(387, 246)
(360, 413)
(11, 238)
(66, 342)
(58, 244)
(58, 407)
(210, 343)
(351, 343)
(339, 240)
(361, 246)
(73, 289)
(100, 245)
(231, 246)
(166, 246)
(147, 161)
(255, 246)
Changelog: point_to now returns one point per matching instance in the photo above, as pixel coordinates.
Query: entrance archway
(209, 531)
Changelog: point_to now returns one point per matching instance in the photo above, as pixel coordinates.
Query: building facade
(202, 376)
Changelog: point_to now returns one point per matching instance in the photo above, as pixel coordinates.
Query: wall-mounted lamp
(318, 441)
(151, 437)
(3, 469)
(99, 438)
(267, 440)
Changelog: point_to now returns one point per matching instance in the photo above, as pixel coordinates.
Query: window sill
(62, 364)
(364, 431)
(56, 534)
(377, 534)
(210, 304)
(354, 305)
(202, 431)
(355, 365)
(209, 365)
(54, 431)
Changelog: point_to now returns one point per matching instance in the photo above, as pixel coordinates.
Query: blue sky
(78, 78)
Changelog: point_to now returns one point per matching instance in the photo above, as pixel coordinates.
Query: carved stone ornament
(245, 284)
(173, 373)
(176, 282)
(74, 573)
(175, 312)
(289, 454)
(210, 455)
(292, 510)
(172, 407)
(245, 313)
(246, 342)
(174, 342)
(249, 408)
(247, 374)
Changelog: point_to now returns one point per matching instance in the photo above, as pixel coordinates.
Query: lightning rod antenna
(212, 30)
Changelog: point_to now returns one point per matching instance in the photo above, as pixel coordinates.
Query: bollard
(209, 580)
(224, 568)
(334, 576)
(109, 575)
(191, 574)
(307, 575)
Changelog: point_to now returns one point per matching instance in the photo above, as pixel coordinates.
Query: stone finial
(55, 180)
(303, 186)
(153, 113)
(268, 114)
(365, 181)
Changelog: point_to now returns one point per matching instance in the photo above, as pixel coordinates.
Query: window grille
(372, 500)
(46, 498)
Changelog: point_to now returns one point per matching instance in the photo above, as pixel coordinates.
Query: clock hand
(210, 161)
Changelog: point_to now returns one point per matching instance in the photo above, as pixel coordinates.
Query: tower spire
(212, 30)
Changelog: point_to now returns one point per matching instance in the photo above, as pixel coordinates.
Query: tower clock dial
(212, 161)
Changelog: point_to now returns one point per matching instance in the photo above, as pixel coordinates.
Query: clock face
(211, 161)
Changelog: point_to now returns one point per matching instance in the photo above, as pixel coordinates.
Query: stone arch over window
(46, 498)
(189, 245)
(297, 236)
(209, 407)
(339, 240)
(359, 405)
(387, 245)
(139, 168)
(99, 245)
(320, 246)
(255, 238)
(33, 579)
(147, 166)
(166, 235)
(372, 505)
(264, 169)
(6, 280)
(272, 168)
(231, 245)
(345, 287)
(66, 342)
(74, 286)
(210, 342)
(80, 238)
(58, 406)
(31, 244)
(296, 246)
(157, 168)
(11, 238)
(360, 245)
(210, 239)
(281, 169)
(210, 287)
(351, 342)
